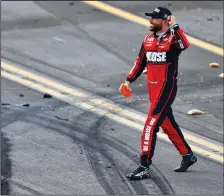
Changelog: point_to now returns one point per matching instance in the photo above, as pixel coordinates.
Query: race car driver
(159, 54)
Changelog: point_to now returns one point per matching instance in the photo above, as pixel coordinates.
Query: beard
(155, 27)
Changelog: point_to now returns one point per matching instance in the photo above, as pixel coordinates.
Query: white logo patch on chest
(150, 39)
(156, 57)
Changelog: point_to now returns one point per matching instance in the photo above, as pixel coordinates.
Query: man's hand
(125, 89)
(171, 20)
(127, 83)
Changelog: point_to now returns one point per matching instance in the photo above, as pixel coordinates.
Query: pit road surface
(61, 144)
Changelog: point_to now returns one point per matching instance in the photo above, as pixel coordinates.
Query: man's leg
(148, 142)
(149, 137)
(171, 128)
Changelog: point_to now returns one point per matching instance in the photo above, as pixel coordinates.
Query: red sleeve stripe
(183, 38)
(137, 65)
(138, 62)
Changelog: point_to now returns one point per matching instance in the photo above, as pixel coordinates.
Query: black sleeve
(180, 39)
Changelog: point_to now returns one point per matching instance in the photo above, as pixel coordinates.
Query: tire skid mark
(95, 159)
(53, 124)
(6, 173)
(24, 112)
(99, 151)
(62, 127)
(20, 186)
(88, 146)
(156, 175)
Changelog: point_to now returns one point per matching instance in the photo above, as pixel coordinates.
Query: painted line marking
(94, 102)
(121, 120)
(43, 80)
(71, 99)
(142, 21)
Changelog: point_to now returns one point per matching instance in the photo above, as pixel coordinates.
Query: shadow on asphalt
(5, 165)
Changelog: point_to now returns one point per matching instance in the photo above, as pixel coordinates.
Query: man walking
(159, 54)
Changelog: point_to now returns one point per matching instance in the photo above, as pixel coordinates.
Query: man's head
(158, 20)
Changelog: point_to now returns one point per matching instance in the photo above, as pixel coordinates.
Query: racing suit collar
(164, 35)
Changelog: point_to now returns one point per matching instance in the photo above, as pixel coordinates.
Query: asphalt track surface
(54, 147)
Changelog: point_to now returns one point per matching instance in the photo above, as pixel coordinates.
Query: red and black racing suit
(161, 59)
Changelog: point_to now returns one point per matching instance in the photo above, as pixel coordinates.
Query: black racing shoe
(188, 160)
(140, 173)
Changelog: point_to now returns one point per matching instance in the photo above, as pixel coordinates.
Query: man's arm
(181, 40)
(138, 67)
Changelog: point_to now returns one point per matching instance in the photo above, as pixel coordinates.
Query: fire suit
(160, 57)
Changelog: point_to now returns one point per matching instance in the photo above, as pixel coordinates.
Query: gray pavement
(203, 19)
(52, 147)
